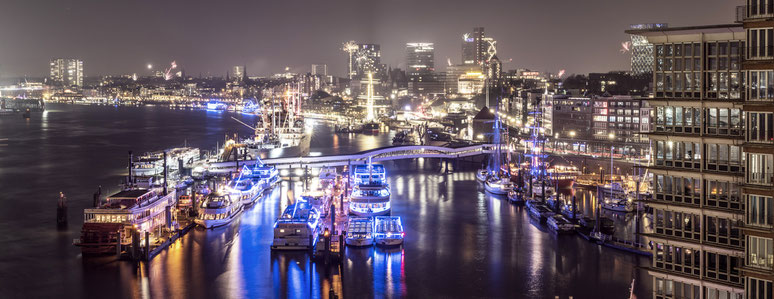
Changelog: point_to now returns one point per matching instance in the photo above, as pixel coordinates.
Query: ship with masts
(280, 131)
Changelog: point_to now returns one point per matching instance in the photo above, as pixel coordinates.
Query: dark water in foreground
(459, 241)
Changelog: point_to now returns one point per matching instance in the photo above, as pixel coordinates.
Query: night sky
(209, 37)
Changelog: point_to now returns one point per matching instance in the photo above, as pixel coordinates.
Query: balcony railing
(760, 178)
(753, 12)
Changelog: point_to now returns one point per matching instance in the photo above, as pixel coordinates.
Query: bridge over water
(377, 155)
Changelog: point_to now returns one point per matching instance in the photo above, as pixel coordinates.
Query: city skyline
(210, 39)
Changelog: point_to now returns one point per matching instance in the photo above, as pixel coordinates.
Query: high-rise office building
(67, 71)
(642, 50)
(697, 163)
(238, 73)
(320, 69)
(758, 184)
(364, 59)
(420, 61)
(474, 47)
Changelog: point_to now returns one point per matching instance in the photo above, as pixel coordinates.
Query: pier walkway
(377, 155)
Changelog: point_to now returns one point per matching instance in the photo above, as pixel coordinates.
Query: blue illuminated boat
(247, 187)
(297, 228)
(360, 231)
(371, 194)
(388, 230)
(216, 106)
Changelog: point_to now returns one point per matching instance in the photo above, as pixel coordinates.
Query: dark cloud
(208, 37)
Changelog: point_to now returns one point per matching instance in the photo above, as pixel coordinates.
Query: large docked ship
(110, 223)
(371, 193)
(280, 131)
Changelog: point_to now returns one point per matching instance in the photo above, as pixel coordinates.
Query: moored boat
(218, 209)
(388, 230)
(297, 227)
(371, 194)
(360, 231)
(560, 225)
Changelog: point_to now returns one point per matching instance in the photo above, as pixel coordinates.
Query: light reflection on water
(459, 241)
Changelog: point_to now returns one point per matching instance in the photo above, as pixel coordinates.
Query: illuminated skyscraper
(364, 59)
(238, 73)
(320, 69)
(477, 48)
(419, 61)
(642, 50)
(67, 71)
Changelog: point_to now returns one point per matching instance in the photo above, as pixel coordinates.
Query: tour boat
(297, 227)
(388, 230)
(149, 164)
(559, 224)
(268, 176)
(360, 231)
(218, 209)
(371, 194)
(498, 186)
(108, 225)
(245, 187)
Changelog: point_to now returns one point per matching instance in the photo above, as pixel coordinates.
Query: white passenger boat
(567, 210)
(498, 186)
(109, 224)
(245, 187)
(371, 194)
(267, 175)
(297, 227)
(218, 209)
(360, 231)
(560, 225)
(388, 230)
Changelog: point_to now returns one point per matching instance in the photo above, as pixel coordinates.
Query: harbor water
(459, 241)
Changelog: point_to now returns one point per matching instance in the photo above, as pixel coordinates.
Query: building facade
(67, 72)
(420, 61)
(697, 162)
(758, 185)
(642, 50)
(368, 59)
(320, 69)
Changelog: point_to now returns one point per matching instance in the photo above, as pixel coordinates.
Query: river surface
(459, 241)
